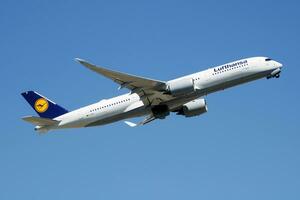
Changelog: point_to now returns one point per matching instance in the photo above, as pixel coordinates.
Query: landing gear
(160, 111)
(274, 76)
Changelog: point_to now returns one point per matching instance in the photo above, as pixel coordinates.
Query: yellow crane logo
(41, 105)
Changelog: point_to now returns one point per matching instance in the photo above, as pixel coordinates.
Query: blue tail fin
(43, 107)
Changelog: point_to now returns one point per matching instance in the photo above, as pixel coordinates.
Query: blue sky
(246, 147)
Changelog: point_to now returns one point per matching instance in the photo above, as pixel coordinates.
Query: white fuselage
(132, 105)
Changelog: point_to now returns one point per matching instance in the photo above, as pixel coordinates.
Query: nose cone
(278, 64)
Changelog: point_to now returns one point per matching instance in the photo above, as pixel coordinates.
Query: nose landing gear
(274, 74)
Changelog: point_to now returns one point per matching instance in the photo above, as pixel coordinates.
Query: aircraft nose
(278, 64)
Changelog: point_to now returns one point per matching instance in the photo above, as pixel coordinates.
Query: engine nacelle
(193, 108)
(181, 86)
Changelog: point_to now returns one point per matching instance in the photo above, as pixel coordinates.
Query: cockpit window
(268, 59)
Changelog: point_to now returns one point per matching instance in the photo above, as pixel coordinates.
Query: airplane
(154, 99)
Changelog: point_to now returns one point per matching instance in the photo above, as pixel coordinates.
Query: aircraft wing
(151, 90)
(129, 81)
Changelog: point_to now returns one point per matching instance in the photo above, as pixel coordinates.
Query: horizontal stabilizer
(148, 119)
(40, 121)
(131, 124)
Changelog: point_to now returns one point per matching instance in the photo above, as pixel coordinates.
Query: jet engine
(193, 108)
(181, 86)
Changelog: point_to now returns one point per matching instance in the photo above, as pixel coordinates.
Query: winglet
(80, 60)
(84, 62)
(89, 65)
(131, 124)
